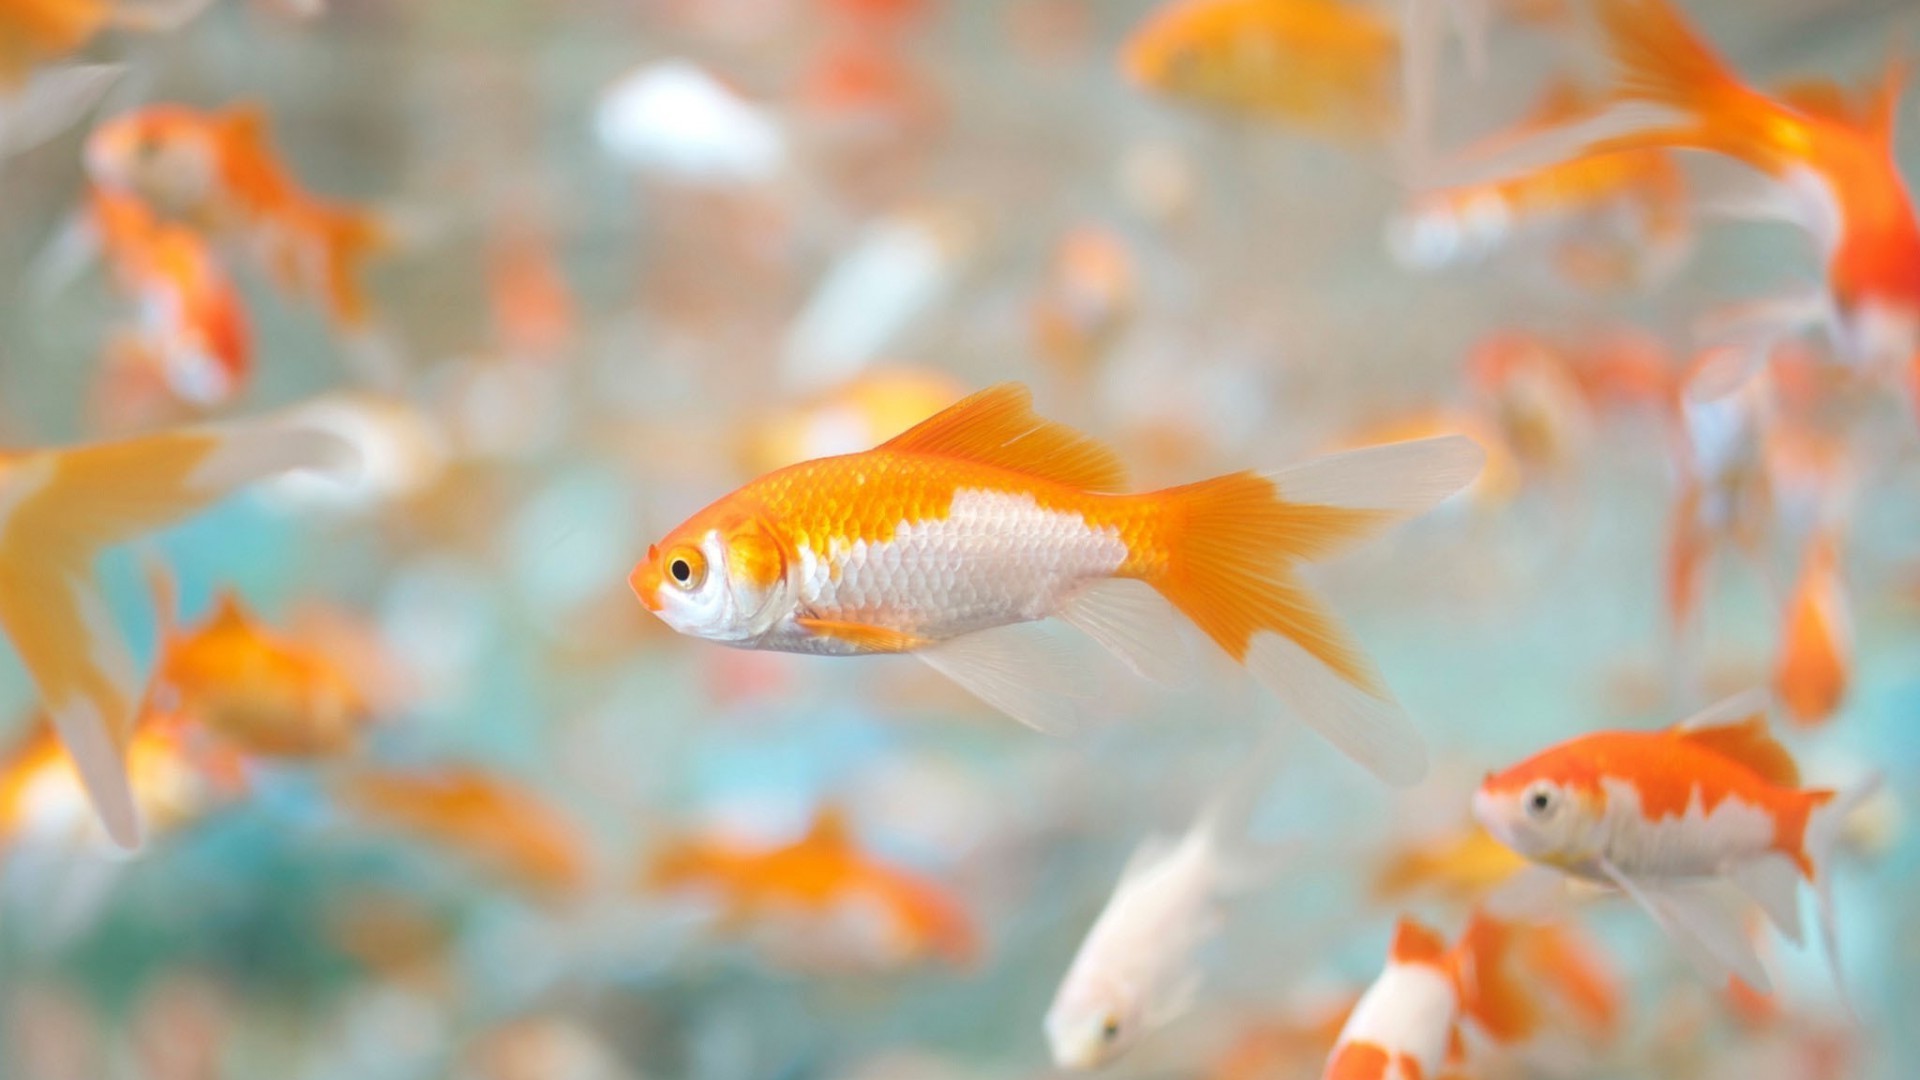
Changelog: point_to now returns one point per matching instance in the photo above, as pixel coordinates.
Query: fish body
(1655, 813)
(218, 172)
(478, 815)
(946, 540)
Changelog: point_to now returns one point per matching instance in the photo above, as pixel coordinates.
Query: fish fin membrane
(998, 427)
(1736, 729)
(58, 509)
(1490, 994)
(1019, 669)
(1230, 562)
(1698, 920)
(1825, 824)
(1135, 623)
(1773, 882)
(50, 102)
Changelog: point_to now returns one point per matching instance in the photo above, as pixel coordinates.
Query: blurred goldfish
(1565, 203)
(192, 317)
(946, 540)
(477, 815)
(533, 310)
(218, 172)
(175, 773)
(1461, 865)
(816, 875)
(1323, 65)
(1816, 647)
(871, 408)
(58, 509)
(865, 88)
(1407, 1024)
(1085, 301)
(264, 694)
(1534, 401)
(1828, 166)
(35, 32)
(1656, 814)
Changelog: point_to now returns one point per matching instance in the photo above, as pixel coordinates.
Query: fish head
(1091, 1025)
(721, 576)
(167, 155)
(1541, 813)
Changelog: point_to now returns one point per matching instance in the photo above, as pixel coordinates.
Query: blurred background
(635, 254)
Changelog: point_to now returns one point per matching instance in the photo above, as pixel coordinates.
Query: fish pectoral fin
(1020, 670)
(870, 638)
(1178, 996)
(1773, 881)
(1697, 918)
(1131, 620)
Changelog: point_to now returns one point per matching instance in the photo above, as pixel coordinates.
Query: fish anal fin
(1773, 881)
(879, 639)
(1700, 924)
(998, 427)
(1020, 670)
(1135, 623)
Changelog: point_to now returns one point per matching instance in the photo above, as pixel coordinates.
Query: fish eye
(687, 568)
(1541, 800)
(1110, 1029)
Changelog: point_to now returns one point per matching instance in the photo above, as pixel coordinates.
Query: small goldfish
(1816, 640)
(478, 815)
(945, 540)
(1563, 203)
(193, 318)
(1325, 66)
(814, 876)
(1534, 400)
(1463, 864)
(533, 311)
(265, 694)
(1657, 813)
(1407, 1025)
(1086, 300)
(218, 172)
(58, 509)
(1136, 969)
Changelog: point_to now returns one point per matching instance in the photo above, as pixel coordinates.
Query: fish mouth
(646, 588)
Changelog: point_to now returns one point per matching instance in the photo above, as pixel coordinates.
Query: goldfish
(1462, 864)
(533, 309)
(174, 773)
(1563, 203)
(36, 32)
(193, 318)
(1533, 399)
(821, 872)
(1407, 1025)
(945, 541)
(1659, 815)
(1086, 300)
(1824, 163)
(506, 828)
(218, 172)
(1136, 969)
(268, 695)
(1816, 647)
(58, 509)
(1325, 66)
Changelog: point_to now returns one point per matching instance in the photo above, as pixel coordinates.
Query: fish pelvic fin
(1232, 543)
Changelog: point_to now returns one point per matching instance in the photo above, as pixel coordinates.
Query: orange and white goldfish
(1566, 203)
(816, 876)
(263, 693)
(477, 815)
(58, 509)
(1086, 300)
(1325, 66)
(1816, 639)
(175, 773)
(193, 320)
(947, 540)
(1827, 164)
(218, 172)
(1660, 814)
(1136, 970)
(1407, 1025)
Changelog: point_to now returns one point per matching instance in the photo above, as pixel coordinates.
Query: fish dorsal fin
(1736, 729)
(1883, 109)
(1822, 98)
(1415, 943)
(830, 830)
(997, 427)
(229, 612)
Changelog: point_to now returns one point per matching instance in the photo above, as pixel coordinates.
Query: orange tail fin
(1232, 546)
(1661, 60)
(1488, 991)
(1812, 673)
(347, 239)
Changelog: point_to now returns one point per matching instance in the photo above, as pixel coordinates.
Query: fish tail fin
(1661, 60)
(1810, 676)
(1231, 546)
(1489, 992)
(1825, 825)
(65, 507)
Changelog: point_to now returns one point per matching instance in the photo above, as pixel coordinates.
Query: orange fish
(1563, 202)
(478, 815)
(1407, 1025)
(58, 509)
(1534, 399)
(217, 171)
(816, 875)
(1655, 813)
(1816, 645)
(176, 775)
(192, 316)
(533, 314)
(263, 693)
(1086, 300)
(944, 541)
(1322, 65)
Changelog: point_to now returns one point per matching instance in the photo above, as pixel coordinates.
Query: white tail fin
(1824, 828)
(58, 510)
